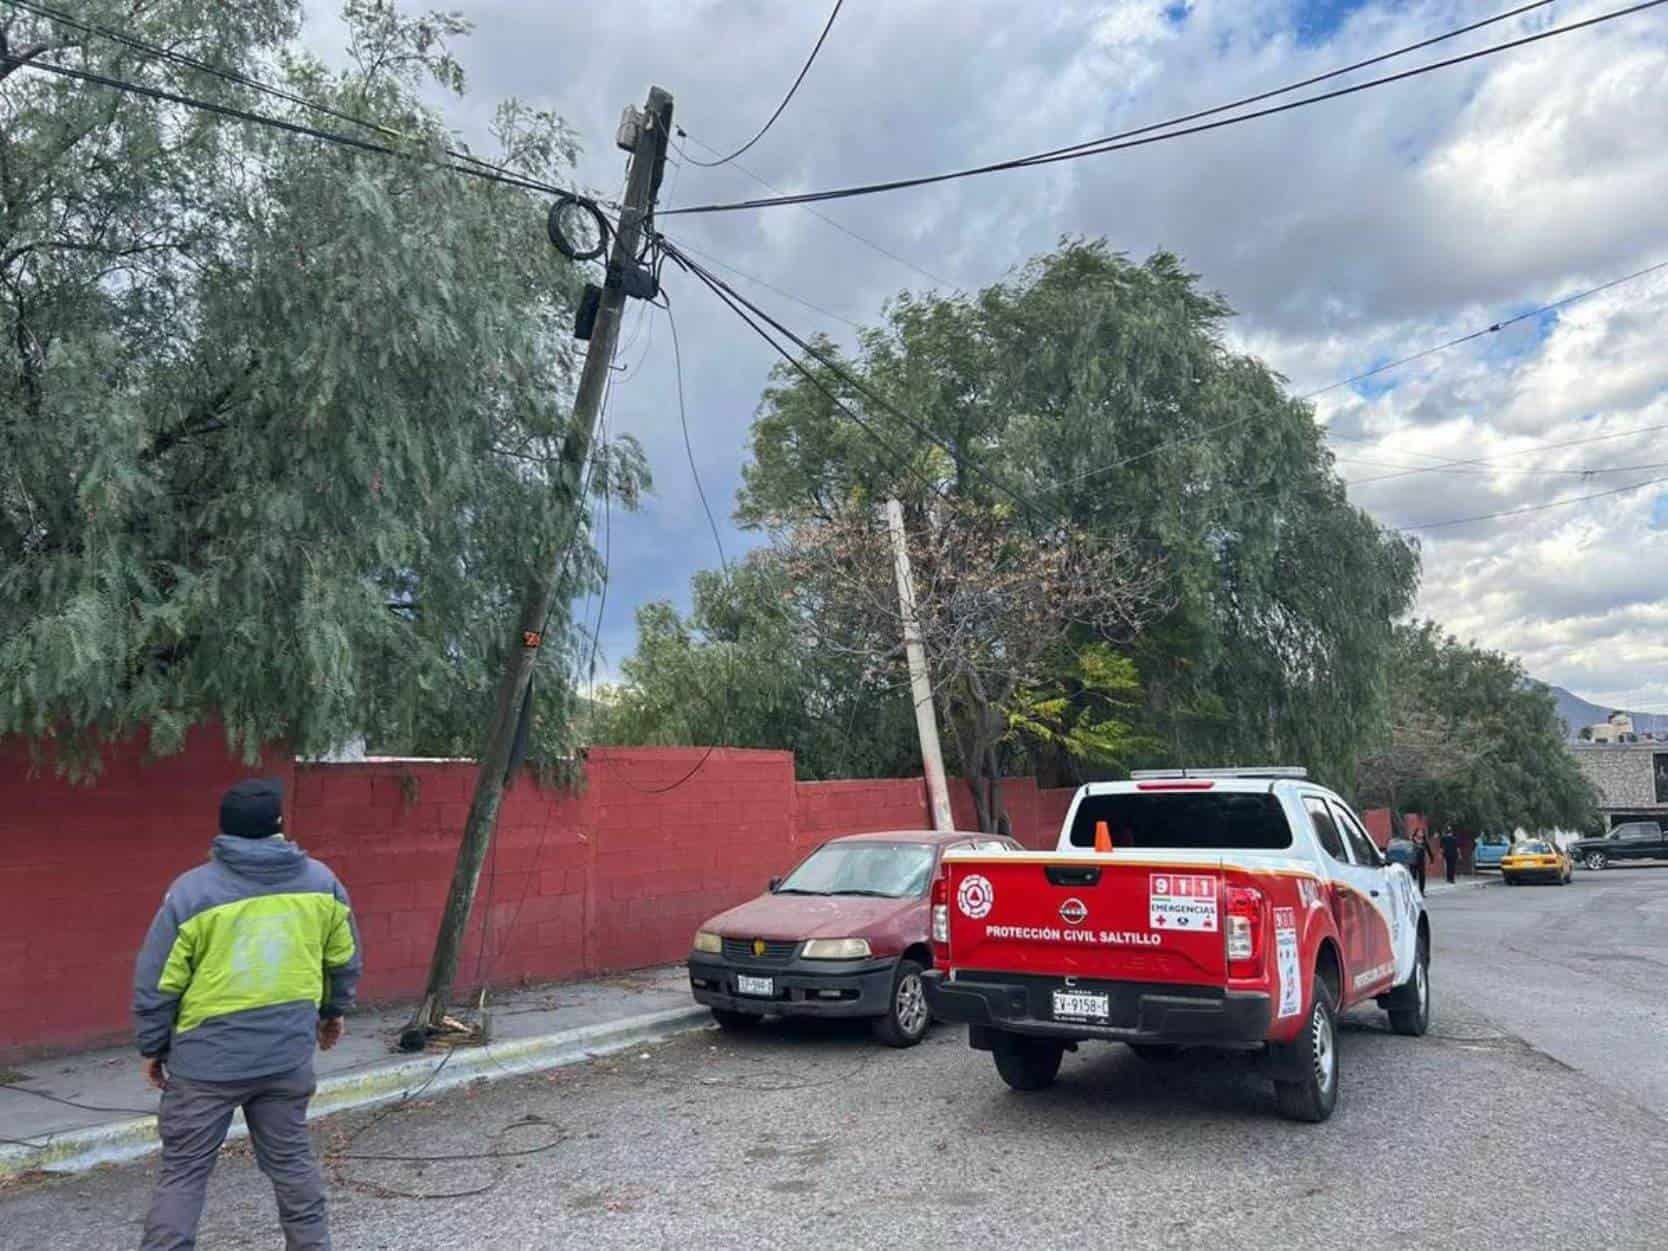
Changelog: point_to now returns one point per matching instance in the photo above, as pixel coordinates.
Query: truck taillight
(1246, 907)
(941, 913)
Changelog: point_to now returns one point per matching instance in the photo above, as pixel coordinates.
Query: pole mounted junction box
(632, 122)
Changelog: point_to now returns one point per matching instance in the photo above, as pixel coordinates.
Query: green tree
(1500, 760)
(746, 668)
(1102, 392)
(277, 420)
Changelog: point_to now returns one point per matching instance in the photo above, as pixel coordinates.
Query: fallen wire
(71, 1103)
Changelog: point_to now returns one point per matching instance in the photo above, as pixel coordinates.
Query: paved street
(1532, 1117)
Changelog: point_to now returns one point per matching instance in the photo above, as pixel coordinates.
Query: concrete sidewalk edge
(76, 1150)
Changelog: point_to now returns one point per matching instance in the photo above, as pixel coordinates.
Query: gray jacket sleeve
(154, 1009)
(344, 959)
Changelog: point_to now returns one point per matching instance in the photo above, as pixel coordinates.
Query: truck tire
(906, 1019)
(1027, 1063)
(1410, 1003)
(1315, 1054)
(1596, 860)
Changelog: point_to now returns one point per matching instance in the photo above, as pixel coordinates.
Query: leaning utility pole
(920, 684)
(645, 136)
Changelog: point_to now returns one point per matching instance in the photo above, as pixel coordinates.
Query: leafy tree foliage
(1482, 747)
(1101, 391)
(277, 421)
(747, 669)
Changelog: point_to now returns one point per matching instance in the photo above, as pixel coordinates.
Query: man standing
(1450, 852)
(252, 957)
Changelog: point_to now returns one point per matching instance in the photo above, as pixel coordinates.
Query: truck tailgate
(1105, 917)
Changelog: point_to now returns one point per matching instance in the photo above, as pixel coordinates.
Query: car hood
(788, 917)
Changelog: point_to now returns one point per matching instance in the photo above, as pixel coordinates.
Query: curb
(77, 1150)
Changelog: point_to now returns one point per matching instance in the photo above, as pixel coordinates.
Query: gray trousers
(193, 1123)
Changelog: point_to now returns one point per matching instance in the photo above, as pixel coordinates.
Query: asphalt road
(1533, 1116)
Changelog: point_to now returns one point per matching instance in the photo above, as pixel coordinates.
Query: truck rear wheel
(1027, 1063)
(1313, 1095)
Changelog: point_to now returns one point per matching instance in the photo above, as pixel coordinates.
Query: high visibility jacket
(247, 953)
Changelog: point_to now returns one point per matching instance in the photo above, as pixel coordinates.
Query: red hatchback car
(843, 935)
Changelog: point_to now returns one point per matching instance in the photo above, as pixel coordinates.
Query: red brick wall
(614, 876)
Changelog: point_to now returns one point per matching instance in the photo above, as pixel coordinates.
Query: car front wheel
(907, 1016)
(1410, 1004)
(1596, 860)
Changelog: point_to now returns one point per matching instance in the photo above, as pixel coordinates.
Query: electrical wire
(1535, 508)
(876, 397)
(803, 70)
(1487, 330)
(177, 57)
(278, 123)
(786, 295)
(1483, 468)
(71, 1103)
(902, 461)
(1542, 447)
(1209, 431)
(824, 217)
(1168, 130)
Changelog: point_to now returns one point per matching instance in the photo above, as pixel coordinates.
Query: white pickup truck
(1241, 908)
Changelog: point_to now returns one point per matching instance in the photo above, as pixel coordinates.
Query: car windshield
(1243, 820)
(890, 870)
(1533, 848)
(1495, 840)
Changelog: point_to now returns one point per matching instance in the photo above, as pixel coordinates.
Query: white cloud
(1346, 234)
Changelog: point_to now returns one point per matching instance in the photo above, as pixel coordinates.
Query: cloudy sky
(1346, 235)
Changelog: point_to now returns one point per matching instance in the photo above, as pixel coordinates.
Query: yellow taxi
(1536, 860)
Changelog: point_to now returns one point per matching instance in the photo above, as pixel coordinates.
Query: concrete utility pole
(920, 685)
(645, 136)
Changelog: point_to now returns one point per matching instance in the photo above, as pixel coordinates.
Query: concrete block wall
(613, 876)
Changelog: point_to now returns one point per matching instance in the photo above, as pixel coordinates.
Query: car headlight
(709, 943)
(836, 949)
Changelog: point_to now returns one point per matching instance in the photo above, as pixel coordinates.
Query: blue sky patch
(1176, 14)
(1659, 512)
(1318, 20)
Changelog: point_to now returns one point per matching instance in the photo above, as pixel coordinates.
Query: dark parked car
(846, 934)
(1637, 840)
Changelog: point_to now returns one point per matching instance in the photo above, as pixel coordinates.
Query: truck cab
(1240, 908)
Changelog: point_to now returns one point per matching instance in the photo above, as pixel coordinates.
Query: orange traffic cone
(1103, 837)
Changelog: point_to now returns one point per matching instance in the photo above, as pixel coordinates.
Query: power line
(1119, 142)
(728, 298)
(876, 397)
(786, 295)
(803, 70)
(1536, 508)
(1333, 435)
(823, 217)
(278, 123)
(1482, 468)
(1542, 447)
(1487, 330)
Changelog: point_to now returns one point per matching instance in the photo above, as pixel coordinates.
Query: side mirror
(775, 882)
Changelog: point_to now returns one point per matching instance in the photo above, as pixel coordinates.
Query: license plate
(765, 986)
(1081, 1005)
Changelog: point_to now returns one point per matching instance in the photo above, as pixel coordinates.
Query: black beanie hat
(253, 809)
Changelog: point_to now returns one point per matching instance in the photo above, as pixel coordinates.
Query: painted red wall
(614, 876)
(82, 870)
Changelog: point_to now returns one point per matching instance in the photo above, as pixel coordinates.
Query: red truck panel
(1128, 920)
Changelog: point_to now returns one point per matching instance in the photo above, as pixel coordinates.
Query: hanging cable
(278, 123)
(922, 431)
(174, 56)
(1535, 508)
(1118, 143)
(803, 70)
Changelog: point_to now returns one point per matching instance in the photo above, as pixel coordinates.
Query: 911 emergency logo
(975, 896)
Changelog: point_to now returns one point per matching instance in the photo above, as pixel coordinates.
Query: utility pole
(920, 685)
(645, 136)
